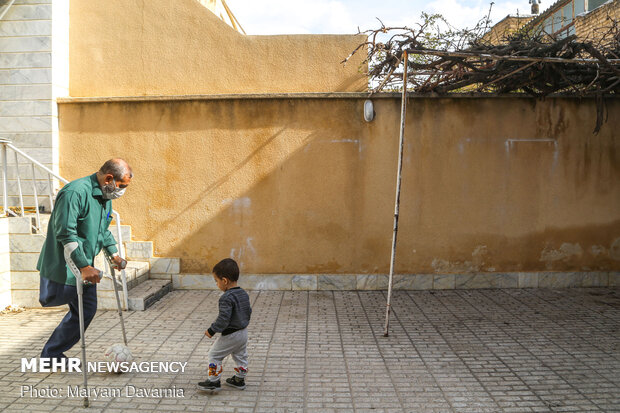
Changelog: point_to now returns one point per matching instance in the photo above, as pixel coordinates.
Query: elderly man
(77, 231)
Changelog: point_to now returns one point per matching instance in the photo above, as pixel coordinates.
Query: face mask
(110, 191)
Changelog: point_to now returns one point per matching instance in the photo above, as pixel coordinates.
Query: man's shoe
(210, 385)
(236, 382)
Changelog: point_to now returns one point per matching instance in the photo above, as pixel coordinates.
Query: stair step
(147, 293)
(26, 243)
(136, 273)
(139, 250)
(141, 273)
(25, 224)
(125, 232)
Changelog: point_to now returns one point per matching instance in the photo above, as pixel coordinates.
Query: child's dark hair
(227, 268)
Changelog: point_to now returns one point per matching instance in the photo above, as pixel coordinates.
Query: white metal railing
(6, 145)
(6, 9)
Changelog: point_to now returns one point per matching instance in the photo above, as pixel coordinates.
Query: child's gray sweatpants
(234, 344)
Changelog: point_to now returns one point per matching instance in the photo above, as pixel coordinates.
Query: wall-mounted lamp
(369, 111)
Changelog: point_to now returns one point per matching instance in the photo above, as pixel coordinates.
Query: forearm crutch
(111, 264)
(79, 285)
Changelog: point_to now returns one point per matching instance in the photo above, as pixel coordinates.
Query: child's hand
(207, 334)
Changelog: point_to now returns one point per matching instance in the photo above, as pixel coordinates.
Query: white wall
(5, 264)
(34, 71)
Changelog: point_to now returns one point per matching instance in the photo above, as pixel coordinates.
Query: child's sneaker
(210, 385)
(236, 382)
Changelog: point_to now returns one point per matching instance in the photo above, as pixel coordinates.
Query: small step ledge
(147, 293)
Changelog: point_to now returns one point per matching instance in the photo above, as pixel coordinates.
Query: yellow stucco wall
(158, 47)
(304, 185)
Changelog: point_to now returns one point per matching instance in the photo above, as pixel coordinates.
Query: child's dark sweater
(235, 312)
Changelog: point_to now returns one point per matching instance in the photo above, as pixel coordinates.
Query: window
(593, 4)
(557, 20)
(547, 27)
(567, 14)
(580, 6)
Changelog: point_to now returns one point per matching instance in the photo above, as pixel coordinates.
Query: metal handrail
(6, 10)
(6, 144)
(34, 161)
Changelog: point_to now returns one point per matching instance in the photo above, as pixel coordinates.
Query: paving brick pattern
(513, 350)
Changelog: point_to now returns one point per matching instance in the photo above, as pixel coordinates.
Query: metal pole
(6, 10)
(80, 286)
(5, 194)
(36, 198)
(403, 111)
(50, 191)
(118, 301)
(121, 252)
(19, 184)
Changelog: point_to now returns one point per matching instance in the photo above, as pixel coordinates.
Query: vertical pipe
(36, 198)
(403, 112)
(19, 185)
(5, 194)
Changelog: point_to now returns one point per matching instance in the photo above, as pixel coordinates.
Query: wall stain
(566, 253)
(331, 266)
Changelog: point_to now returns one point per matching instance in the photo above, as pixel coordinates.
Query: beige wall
(304, 185)
(158, 47)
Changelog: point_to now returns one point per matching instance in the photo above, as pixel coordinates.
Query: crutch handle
(86, 282)
(122, 265)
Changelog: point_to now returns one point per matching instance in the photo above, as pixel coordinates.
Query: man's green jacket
(81, 215)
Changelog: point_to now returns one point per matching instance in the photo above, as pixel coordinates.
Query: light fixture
(369, 111)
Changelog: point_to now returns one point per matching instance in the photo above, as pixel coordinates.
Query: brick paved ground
(463, 351)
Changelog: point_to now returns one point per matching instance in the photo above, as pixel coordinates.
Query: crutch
(118, 301)
(79, 285)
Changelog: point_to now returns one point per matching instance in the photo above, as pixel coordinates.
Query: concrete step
(139, 250)
(164, 267)
(141, 273)
(147, 293)
(20, 225)
(26, 224)
(125, 232)
(136, 273)
(26, 243)
(44, 220)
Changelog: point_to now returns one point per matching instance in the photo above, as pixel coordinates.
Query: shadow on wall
(306, 186)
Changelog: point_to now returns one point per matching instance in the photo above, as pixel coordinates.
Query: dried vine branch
(451, 60)
(444, 60)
